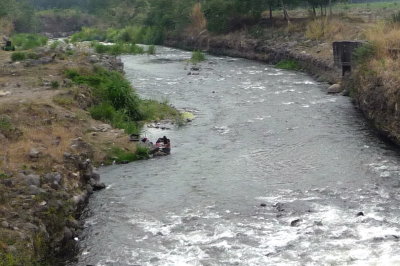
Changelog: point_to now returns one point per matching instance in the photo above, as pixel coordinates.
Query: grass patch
(25, 41)
(18, 56)
(117, 103)
(288, 64)
(153, 110)
(3, 176)
(325, 29)
(130, 34)
(63, 100)
(8, 129)
(106, 112)
(55, 84)
(119, 155)
(197, 57)
(118, 49)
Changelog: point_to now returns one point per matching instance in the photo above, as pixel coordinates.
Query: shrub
(118, 49)
(288, 64)
(55, 84)
(197, 56)
(89, 34)
(18, 56)
(55, 44)
(112, 88)
(25, 41)
(103, 111)
(364, 53)
(101, 48)
(34, 56)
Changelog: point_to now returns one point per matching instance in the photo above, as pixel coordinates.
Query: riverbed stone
(295, 222)
(31, 179)
(34, 190)
(99, 186)
(34, 153)
(5, 224)
(53, 178)
(335, 88)
(96, 176)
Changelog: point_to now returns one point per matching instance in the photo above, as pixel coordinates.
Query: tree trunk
(270, 11)
(285, 13)
(330, 8)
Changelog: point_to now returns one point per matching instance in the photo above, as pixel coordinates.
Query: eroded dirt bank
(49, 147)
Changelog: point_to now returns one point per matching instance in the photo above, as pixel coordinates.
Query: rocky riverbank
(243, 46)
(50, 145)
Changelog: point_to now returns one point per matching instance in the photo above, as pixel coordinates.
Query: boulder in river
(295, 222)
(335, 88)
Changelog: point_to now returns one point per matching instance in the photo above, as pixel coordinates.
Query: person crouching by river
(167, 145)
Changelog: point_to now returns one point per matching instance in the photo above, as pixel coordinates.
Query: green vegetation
(288, 64)
(116, 101)
(118, 49)
(119, 155)
(25, 41)
(197, 57)
(130, 34)
(364, 53)
(154, 111)
(63, 100)
(18, 56)
(5, 124)
(55, 84)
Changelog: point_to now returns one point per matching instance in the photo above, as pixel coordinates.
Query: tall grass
(197, 56)
(325, 29)
(117, 102)
(131, 34)
(288, 64)
(119, 155)
(118, 49)
(25, 41)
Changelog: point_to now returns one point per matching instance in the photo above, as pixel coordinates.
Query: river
(273, 171)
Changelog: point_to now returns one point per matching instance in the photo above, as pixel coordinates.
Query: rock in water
(295, 222)
(335, 88)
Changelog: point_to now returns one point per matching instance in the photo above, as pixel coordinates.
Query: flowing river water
(273, 171)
